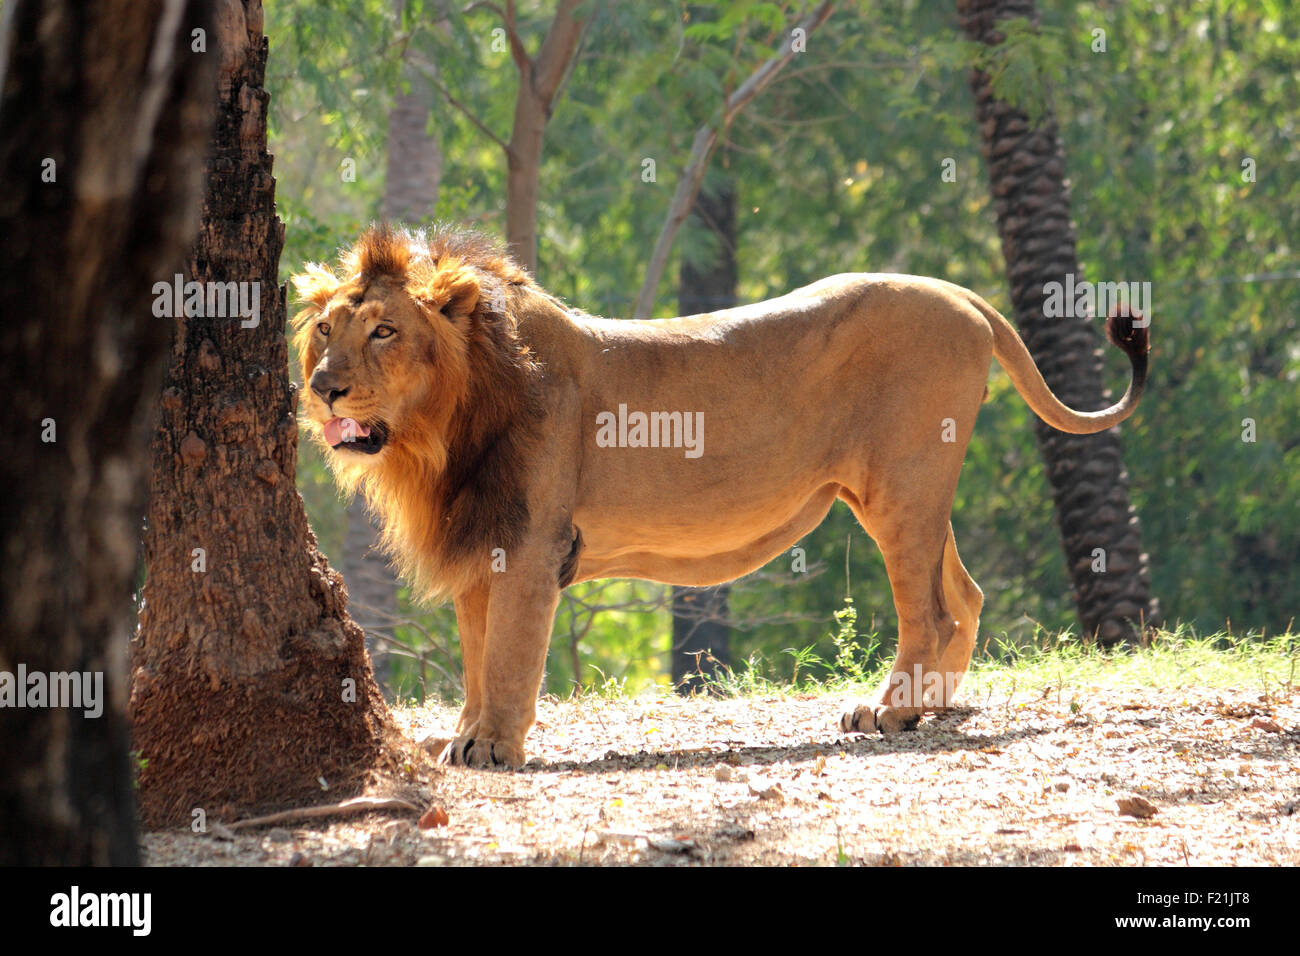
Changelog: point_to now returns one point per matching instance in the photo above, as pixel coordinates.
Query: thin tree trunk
(372, 586)
(540, 80)
(105, 117)
(701, 635)
(706, 139)
(251, 687)
(414, 168)
(539, 84)
(523, 168)
(1086, 472)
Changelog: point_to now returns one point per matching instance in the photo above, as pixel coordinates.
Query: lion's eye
(323, 328)
(382, 332)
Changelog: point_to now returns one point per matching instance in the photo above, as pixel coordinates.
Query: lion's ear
(463, 295)
(454, 292)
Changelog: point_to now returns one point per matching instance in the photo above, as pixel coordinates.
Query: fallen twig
(345, 808)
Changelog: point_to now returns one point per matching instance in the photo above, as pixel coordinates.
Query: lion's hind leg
(914, 545)
(965, 600)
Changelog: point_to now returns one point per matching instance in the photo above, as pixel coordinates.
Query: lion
(513, 446)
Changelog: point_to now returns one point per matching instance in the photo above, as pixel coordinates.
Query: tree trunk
(702, 146)
(1086, 472)
(106, 116)
(539, 84)
(523, 167)
(251, 687)
(701, 634)
(372, 586)
(414, 155)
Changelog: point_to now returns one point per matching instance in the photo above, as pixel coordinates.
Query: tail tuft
(1130, 331)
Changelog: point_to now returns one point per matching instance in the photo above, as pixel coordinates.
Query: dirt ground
(1105, 777)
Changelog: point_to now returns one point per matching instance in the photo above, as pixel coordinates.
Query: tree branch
(557, 51)
(468, 113)
(706, 138)
(517, 49)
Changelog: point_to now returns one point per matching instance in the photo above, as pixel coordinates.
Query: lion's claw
(865, 719)
(859, 720)
(481, 752)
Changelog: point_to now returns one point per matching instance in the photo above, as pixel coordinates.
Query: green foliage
(1056, 662)
(1025, 67)
(1176, 106)
(138, 765)
(847, 659)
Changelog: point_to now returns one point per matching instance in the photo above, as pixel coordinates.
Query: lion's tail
(1010, 351)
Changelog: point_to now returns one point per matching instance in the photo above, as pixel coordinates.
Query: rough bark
(701, 634)
(1086, 472)
(251, 688)
(111, 93)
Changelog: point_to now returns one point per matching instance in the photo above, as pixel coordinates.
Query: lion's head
(412, 364)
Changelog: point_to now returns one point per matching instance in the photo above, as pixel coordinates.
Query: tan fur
(490, 391)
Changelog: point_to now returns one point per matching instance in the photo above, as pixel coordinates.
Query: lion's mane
(452, 487)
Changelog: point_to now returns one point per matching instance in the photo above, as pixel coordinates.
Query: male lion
(513, 446)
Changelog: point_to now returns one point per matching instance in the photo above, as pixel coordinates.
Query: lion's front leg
(471, 624)
(520, 609)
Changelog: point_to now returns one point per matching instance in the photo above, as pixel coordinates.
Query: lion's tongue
(338, 430)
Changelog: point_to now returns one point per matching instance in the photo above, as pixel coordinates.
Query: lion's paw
(860, 720)
(482, 752)
(866, 719)
(892, 720)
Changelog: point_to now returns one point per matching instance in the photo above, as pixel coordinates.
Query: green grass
(1170, 661)
(1053, 663)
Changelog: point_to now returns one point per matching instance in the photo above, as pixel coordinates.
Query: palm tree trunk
(1086, 472)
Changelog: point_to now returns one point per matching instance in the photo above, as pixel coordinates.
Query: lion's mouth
(348, 434)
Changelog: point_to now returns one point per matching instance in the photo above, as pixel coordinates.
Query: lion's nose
(327, 387)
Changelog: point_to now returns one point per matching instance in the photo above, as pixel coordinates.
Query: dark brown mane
(483, 486)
